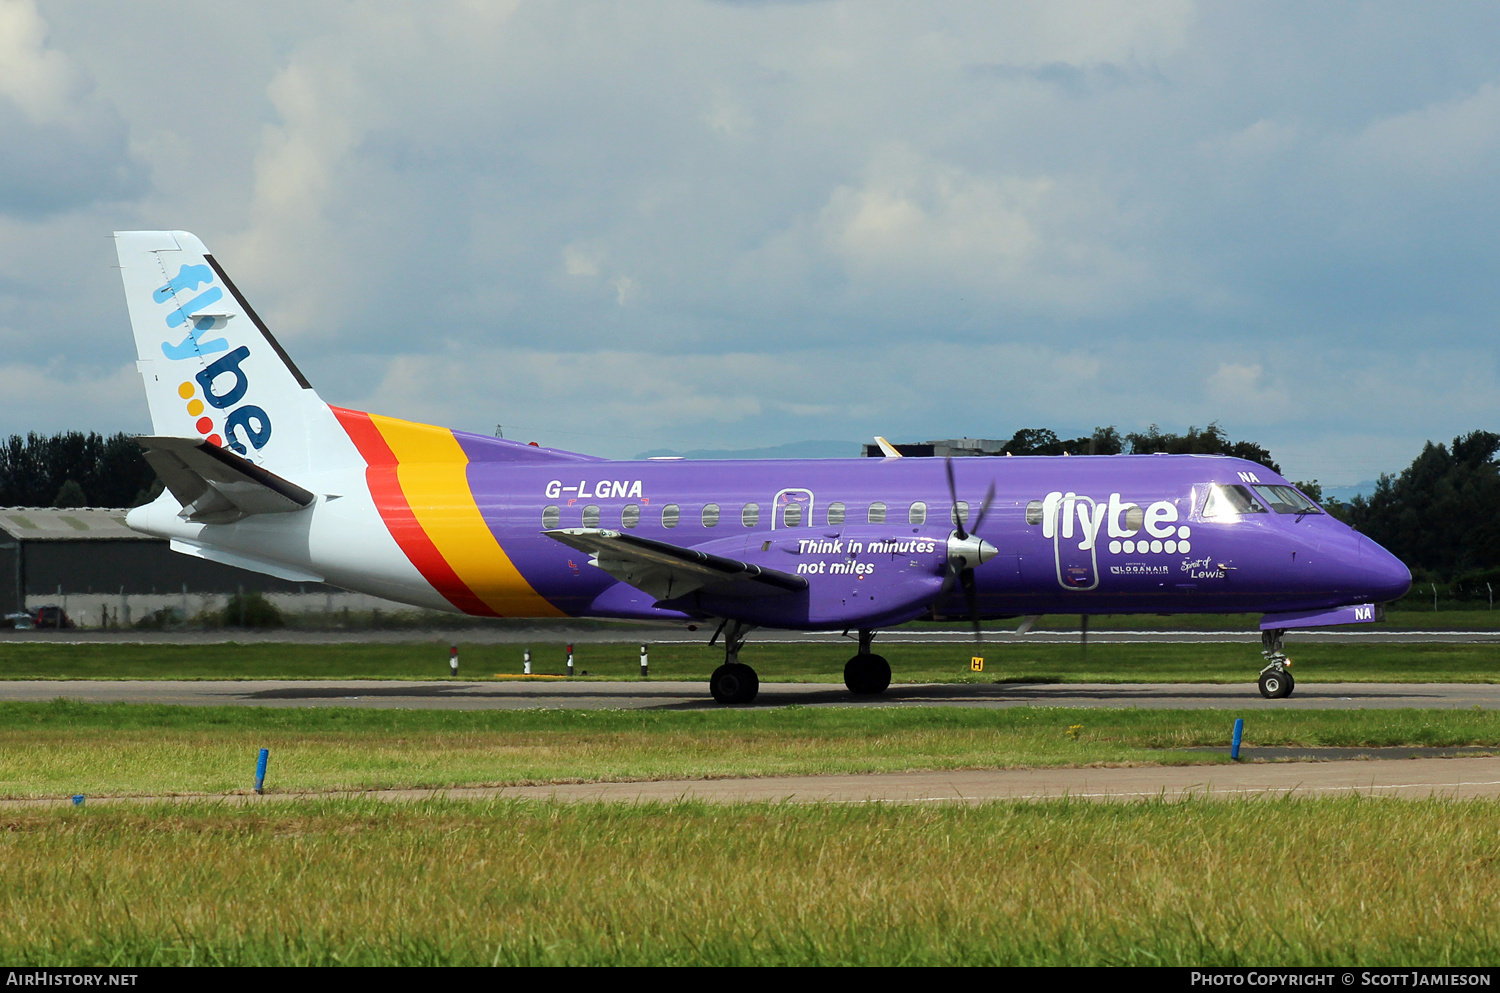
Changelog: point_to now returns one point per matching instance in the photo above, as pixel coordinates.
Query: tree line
(1441, 514)
(74, 469)
(1211, 440)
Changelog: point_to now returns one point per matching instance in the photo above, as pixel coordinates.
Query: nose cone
(1387, 576)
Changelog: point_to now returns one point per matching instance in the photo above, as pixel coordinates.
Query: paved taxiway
(1453, 778)
(682, 695)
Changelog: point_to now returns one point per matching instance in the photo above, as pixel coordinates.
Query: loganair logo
(210, 397)
(1130, 530)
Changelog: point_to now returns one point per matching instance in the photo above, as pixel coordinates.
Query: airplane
(263, 474)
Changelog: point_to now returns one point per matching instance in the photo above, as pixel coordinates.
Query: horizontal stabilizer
(668, 571)
(216, 486)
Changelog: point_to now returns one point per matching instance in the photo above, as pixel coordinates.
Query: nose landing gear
(734, 682)
(1276, 682)
(867, 674)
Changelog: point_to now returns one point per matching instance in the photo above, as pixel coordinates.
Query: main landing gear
(867, 674)
(734, 681)
(1275, 681)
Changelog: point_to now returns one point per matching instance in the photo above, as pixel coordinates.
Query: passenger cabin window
(835, 513)
(591, 516)
(750, 516)
(791, 515)
(917, 514)
(1034, 512)
(630, 516)
(1230, 501)
(670, 515)
(876, 514)
(710, 515)
(959, 515)
(1287, 500)
(551, 517)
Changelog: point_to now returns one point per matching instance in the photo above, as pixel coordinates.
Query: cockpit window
(1231, 501)
(1286, 500)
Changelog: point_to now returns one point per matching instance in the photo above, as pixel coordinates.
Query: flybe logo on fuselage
(1130, 529)
(241, 422)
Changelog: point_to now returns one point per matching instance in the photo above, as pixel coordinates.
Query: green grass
(1294, 882)
(61, 748)
(1004, 661)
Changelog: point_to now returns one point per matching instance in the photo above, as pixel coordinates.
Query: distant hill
(793, 450)
(1344, 494)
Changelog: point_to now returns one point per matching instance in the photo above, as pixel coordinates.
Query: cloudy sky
(616, 227)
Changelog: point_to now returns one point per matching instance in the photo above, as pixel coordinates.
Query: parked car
(51, 616)
(20, 622)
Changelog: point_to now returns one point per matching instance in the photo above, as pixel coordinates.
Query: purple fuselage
(1093, 535)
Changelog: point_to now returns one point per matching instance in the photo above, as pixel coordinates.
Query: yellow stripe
(431, 467)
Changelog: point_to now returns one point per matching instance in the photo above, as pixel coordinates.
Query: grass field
(62, 748)
(1199, 663)
(1295, 882)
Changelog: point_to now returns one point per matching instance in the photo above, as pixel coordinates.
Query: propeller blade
(953, 496)
(971, 597)
(989, 497)
(949, 581)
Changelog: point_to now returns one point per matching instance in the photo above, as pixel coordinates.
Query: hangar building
(90, 559)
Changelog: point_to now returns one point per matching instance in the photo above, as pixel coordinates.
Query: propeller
(966, 550)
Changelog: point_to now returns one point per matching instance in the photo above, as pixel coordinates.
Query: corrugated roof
(71, 524)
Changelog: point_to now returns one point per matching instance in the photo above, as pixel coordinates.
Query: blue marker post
(1239, 732)
(78, 799)
(260, 770)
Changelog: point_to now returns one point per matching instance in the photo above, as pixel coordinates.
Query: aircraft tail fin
(212, 369)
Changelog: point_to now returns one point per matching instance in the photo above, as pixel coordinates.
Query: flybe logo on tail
(188, 279)
(213, 395)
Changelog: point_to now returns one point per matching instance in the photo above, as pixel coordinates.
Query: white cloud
(1037, 241)
(1444, 141)
(1245, 389)
(60, 145)
(41, 81)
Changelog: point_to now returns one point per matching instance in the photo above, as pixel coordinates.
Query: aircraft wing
(216, 486)
(668, 571)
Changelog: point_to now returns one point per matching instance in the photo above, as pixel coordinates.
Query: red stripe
(390, 500)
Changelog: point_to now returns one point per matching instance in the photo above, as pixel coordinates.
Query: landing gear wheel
(734, 682)
(867, 675)
(1275, 684)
